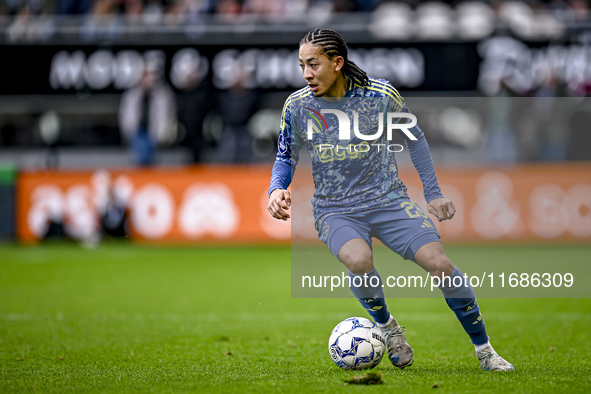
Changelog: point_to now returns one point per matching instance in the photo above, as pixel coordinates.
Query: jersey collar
(337, 104)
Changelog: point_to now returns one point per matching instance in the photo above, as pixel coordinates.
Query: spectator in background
(274, 11)
(365, 5)
(500, 139)
(236, 106)
(4, 11)
(193, 99)
(153, 12)
(579, 137)
(133, 10)
(73, 7)
(552, 111)
(580, 9)
(229, 10)
(188, 11)
(114, 219)
(112, 204)
(102, 22)
(147, 113)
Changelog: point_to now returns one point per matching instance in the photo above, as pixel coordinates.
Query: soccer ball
(356, 343)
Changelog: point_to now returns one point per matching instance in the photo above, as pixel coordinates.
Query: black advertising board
(468, 66)
(109, 69)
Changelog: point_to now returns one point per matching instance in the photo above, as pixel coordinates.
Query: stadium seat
(475, 20)
(434, 21)
(392, 21)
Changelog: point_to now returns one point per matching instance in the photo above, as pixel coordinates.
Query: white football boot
(491, 361)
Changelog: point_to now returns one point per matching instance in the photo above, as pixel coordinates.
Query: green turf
(125, 318)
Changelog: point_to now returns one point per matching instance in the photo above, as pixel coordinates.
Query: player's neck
(338, 90)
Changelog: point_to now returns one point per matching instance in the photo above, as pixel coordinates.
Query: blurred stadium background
(498, 86)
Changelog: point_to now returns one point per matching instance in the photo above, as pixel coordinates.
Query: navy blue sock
(461, 299)
(367, 288)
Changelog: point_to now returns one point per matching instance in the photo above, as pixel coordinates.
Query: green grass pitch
(130, 318)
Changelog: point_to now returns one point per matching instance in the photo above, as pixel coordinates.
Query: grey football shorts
(400, 225)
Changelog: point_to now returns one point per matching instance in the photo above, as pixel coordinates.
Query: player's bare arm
(442, 208)
(279, 204)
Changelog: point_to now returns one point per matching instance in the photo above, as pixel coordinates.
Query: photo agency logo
(367, 127)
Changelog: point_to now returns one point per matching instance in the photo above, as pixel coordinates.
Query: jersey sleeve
(420, 155)
(288, 148)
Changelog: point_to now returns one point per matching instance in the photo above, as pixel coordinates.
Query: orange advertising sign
(535, 202)
(200, 203)
(228, 203)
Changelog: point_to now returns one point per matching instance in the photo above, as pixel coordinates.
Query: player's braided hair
(332, 45)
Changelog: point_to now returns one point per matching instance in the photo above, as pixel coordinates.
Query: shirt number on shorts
(413, 211)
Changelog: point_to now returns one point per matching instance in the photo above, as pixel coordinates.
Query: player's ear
(339, 62)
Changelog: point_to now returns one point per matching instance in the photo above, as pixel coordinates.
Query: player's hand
(279, 203)
(441, 208)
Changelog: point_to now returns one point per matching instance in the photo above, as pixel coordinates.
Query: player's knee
(357, 262)
(440, 265)
(432, 258)
(357, 256)
(360, 267)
